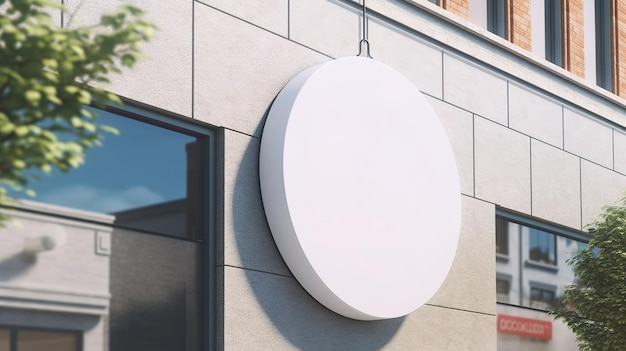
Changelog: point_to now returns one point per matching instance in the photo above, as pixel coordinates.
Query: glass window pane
(502, 237)
(496, 17)
(5, 339)
(502, 290)
(542, 247)
(156, 305)
(554, 32)
(604, 41)
(529, 282)
(35, 340)
(150, 178)
(541, 299)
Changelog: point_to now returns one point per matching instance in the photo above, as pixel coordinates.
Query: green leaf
(19, 163)
(76, 122)
(71, 89)
(33, 96)
(109, 129)
(48, 75)
(21, 131)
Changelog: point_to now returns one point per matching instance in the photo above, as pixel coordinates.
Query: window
(433, 1)
(542, 299)
(535, 270)
(148, 177)
(554, 31)
(496, 17)
(502, 237)
(604, 41)
(153, 180)
(541, 247)
(503, 287)
(22, 339)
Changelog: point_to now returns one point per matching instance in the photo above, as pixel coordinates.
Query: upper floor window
(554, 31)
(604, 41)
(541, 247)
(543, 299)
(496, 17)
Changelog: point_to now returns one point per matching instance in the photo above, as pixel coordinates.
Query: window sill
(502, 257)
(542, 266)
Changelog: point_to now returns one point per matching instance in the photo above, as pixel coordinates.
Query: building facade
(161, 243)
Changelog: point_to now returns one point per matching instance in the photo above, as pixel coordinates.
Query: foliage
(595, 310)
(48, 75)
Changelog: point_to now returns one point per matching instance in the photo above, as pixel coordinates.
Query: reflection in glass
(503, 287)
(150, 178)
(541, 299)
(496, 17)
(535, 269)
(502, 237)
(5, 339)
(542, 247)
(36, 340)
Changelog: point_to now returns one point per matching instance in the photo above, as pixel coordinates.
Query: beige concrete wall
(528, 138)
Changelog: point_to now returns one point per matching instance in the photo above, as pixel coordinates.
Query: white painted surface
(478, 12)
(360, 188)
(589, 21)
(538, 27)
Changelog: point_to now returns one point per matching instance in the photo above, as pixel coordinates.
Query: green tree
(48, 75)
(595, 309)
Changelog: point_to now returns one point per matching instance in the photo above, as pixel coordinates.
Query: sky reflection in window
(144, 165)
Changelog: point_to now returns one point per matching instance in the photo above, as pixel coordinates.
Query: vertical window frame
(554, 43)
(214, 140)
(550, 239)
(497, 22)
(604, 36)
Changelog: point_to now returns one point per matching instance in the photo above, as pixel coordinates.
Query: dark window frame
(214, 140)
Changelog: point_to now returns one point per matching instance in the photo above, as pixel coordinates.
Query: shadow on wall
(16, 265)
(302, 320)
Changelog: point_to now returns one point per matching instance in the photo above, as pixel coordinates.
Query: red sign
(532, 328)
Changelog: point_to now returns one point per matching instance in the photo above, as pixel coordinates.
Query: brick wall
(574, 37)
(457, 7)
(518, 26)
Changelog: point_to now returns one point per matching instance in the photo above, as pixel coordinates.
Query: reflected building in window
(533, 268)
(531, 272)
(129, 231)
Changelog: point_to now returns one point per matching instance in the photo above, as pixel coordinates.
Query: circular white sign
(360, 188)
